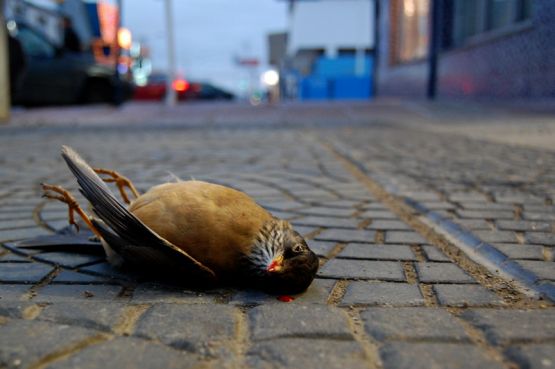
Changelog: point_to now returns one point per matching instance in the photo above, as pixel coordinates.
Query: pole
(118, 93)
(4, 69)
(170, 93)
(435, 46)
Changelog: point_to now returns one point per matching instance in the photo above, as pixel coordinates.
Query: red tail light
(180, 85)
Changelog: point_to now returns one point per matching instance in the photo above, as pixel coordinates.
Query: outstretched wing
(124, 231)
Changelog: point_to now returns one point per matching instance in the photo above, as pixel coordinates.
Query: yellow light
(124, 38)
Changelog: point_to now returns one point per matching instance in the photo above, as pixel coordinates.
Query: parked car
(155, 89)
(55, 76)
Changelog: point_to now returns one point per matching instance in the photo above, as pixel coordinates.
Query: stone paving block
(434, 254)
(537, 216)
(303, 353)
(517, 251)
(10, 257)
(462, 295)
(327, 211)
(77, 292)
(412, 323)
(378, 214)
(543, 269)
(23, 342)
(496, 236)
(405, 355)
(18, 223)
(109, 271)
(388, 225)
(506, 326)
(524, 225)
(87, 314)
(12, 291)
(304, 231)
(486, 206)
(188, 327)
(363, 269)
(298, 321)
(158, 293)
(533, 356)
(467, 197)
(20, 233)
(67, 260)
(141, 354)
(321, 248)
(442, 273)
(347, 235)
(473, 224)
(29, 273)
(540, 238)
(382, 293)
(317, 293)
(486, 214)
(381, 252)
(326, 222)
(346, 204)
(403, 237)
(69, 277)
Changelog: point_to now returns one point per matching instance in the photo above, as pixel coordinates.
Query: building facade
(487, 48)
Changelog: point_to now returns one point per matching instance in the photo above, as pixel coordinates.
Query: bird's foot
(120, 181)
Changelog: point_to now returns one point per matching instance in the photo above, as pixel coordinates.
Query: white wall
(332, 24)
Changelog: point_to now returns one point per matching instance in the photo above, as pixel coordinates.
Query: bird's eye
(297, 249)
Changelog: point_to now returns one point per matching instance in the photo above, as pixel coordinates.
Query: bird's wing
(133, 238)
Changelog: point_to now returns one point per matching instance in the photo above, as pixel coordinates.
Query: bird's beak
(276, 264)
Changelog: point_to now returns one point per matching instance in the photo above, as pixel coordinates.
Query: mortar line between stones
(505, 289)
(370, 348)
(478, 337)
(67, 351)
(242, 337)
(37, 217)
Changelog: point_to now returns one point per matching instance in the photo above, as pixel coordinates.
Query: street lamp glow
(270, 78)
(124, 38)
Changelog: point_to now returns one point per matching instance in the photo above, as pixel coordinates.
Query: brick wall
(519, 63)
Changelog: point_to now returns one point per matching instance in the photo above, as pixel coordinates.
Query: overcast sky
(208, 34)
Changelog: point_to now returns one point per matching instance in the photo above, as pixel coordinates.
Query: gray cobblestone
(524, 225)
(404, 355)
(23, 342)
(382, 293)
(533, 356)
(465, 295)
(321, 248)
(346, 235)
(442, 273)
(147, 355)
(300, 353)
(23, 272)
(540, 238)
(413, 323)
(378, 214)
(326, 222)
(543, 269)
(389, 225)
(434, 254)
(516, 251)
(506, 326)
(87, 314)
(485, 214)
(403, 237)
(363, 269)
(496, 236)
(75, 292)
(381, 252)
(188, 327)
(273, 321)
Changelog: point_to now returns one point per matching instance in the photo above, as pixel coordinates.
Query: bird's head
(281, 260)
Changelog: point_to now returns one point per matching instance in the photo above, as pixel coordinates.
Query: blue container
(315, 88)
(351, 88)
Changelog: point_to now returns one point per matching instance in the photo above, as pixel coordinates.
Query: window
(34, 45)
(411, 29)
(473, 17)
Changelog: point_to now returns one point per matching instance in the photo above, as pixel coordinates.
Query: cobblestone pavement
(375, 201)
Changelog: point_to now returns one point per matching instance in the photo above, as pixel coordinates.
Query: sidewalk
(387, 194)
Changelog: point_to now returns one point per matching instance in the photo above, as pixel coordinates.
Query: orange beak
(275, 265)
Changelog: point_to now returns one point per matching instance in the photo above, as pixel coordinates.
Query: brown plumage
(195, 230)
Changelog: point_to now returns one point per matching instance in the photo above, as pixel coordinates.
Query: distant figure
(71, 40)
(17, 64)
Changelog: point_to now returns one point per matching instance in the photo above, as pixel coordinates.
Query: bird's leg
(120, 181)
(63, 195)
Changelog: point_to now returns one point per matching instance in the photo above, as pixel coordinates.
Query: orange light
(180, 85)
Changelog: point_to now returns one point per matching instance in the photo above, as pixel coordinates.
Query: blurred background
(256, 51)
